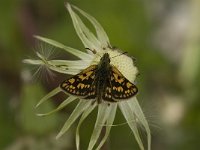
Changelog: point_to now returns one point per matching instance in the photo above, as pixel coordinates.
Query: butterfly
(101, 82)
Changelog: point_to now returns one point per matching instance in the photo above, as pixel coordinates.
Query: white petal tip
(36, 36)
(40, 115)
(58, 136)
(25, 61)
(37, 106)
(67, 4)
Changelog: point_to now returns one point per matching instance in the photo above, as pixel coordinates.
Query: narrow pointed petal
(82, 105)
(83, 117)
(49, 95)
(62, 69)
(77, 53)
(33, 61)
(109, 123)
(55, 66)
(70, 64)
(61, 106)
(101, 34)
(140, 115)
(131, 120)
(87, 37)
(103, 113)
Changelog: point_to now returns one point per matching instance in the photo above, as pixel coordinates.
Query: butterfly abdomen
(102, 79)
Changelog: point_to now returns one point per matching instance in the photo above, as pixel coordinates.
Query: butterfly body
(102, 76)
(101, 82)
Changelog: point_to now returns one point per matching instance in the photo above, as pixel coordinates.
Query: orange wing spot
(86, 76)
(128, 84)
(73, 91)
(92, 76)
(87, 86)
(82, 77)
(118, 78)
(127, 92)
(89, 68)
(89, 73)
(64, 85)
(134, 90)
(80, 85)
(72, 80)
(124, 96)
(115, 75)
(119, 89)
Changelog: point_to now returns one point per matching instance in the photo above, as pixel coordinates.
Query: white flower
(106, 114)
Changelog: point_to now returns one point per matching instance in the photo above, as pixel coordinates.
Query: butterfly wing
(121, 87)
(81, 84)
(107, 96)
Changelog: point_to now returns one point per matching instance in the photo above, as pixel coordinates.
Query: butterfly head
(105, 58)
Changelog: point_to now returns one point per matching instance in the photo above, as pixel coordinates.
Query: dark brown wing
(107, 96)
(122, 88)
(81, 84)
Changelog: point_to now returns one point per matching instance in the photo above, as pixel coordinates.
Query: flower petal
(101, 34)
(131, 120)
(70, 64)
(140, 115)
(32, 61)
(62, 68)
(49, 95)
(81, 106)
(61, 106)
(84, 115)
(103, 113)
(109, 122)
(79, 54)
(87, 37)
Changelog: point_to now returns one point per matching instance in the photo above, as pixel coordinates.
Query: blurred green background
(164, 37)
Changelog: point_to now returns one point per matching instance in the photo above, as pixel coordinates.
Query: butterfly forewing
(122, 88)
(81, 84)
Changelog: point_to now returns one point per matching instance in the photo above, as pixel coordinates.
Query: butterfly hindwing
(107, 96)
(122, 88)
(81, 84)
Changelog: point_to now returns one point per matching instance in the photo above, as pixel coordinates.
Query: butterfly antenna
(120, 54)
(92, 50)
